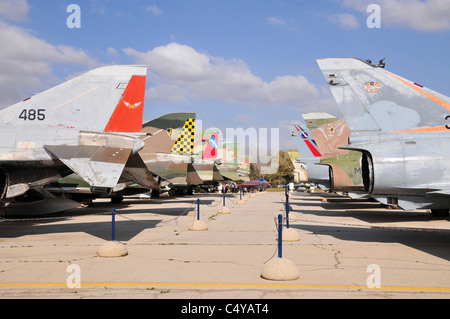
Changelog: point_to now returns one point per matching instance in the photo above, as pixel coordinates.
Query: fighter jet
(400, 127)
(65, 130)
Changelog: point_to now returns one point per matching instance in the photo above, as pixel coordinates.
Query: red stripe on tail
(315, 152)
(128, 115)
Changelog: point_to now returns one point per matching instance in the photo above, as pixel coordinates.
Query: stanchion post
(287, 214)
(198, 208)
(280, 235)
(223, 193)
(113, 224)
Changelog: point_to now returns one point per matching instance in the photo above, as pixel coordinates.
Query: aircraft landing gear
(440, 212)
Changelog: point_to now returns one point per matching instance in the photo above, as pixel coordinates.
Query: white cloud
(276, 21)
(14, 10)
(26, 62)
(186, 73)
(420, 15)
(153, 9)
(345, 20)
(244, 118)
(111, 51)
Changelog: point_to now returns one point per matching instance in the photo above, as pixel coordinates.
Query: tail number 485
(32, 114)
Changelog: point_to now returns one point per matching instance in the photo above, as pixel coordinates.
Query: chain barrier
(164, 221)
(49, 218)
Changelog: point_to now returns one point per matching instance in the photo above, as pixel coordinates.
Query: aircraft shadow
(126, 227)
(434, 243)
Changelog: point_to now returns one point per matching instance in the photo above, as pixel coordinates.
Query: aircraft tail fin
(185, 141)
(329, 133)
(129, 112)
(210, 151)
(306, 146)
(86, 102)
(373, 99)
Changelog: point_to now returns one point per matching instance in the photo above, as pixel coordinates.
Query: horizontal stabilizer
(98, 166)
(136, 171)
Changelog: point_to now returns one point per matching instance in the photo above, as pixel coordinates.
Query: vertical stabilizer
(86, 102)
(129, 112)
(373, 99)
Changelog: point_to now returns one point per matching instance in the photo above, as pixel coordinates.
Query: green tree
(285, 173)
(255, 171)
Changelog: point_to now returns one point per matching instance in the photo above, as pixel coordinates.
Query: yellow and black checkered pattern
(185, 141)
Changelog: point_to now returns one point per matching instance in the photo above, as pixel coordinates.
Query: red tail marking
(211, 148)
(315, 152)
(128, 115)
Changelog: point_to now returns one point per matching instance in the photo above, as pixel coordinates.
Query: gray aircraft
(68, 128)
(402, 130)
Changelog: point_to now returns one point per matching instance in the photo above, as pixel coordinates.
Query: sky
(236, 64)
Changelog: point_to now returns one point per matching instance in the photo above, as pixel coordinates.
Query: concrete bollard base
(198, 225)
(224, 210)
(290, 234)
(113, 248)
(280, 269)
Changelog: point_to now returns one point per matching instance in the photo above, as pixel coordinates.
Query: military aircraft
(163, 157)
(66, 129)
(168, 152)
(310, 155)
(400, 127)
(330, 133)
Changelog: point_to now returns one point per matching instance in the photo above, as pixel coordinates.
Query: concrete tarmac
(347, 249)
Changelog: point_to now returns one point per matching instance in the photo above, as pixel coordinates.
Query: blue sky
(244, 63)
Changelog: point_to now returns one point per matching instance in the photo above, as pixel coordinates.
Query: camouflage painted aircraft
(168, 152)
(330, 133)
(310, 156)
(400, 127)
(65, 129)
(166, 157)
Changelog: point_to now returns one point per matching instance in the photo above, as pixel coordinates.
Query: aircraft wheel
(155, 193)
(440, 212)
(172, 192)
(117, 199)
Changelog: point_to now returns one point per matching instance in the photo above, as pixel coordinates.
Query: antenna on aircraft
(381, 64)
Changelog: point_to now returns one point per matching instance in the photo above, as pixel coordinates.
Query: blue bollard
(223, 196)
(287, 214)
(198, 208)
(113, 230)
(280, 236)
